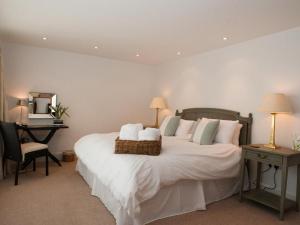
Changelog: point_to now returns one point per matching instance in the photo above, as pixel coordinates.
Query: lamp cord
(274, 180)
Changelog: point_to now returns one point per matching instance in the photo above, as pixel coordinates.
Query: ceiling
(156, 30)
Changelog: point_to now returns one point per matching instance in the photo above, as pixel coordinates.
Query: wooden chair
(18, 152)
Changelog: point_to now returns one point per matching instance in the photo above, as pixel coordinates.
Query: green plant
(296, 142)
(59, 111)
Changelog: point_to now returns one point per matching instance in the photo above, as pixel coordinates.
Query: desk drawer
(264, 157)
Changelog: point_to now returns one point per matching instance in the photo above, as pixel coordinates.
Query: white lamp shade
(158, 103)
(275, 103)
(21, 102)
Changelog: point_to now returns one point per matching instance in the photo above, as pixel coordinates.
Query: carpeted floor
(63, 198)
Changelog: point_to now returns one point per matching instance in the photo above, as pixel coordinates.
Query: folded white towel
(154, 131)
(150, 134)
(130, 131)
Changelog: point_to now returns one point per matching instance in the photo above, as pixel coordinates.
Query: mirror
(38, 104)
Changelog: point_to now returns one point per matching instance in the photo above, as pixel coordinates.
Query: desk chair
(18, 152)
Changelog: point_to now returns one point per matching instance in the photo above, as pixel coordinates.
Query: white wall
(236, 78)
(102, 94)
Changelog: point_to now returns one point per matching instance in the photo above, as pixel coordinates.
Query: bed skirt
(182, 197)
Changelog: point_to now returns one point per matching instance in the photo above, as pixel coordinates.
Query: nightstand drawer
(264, 157)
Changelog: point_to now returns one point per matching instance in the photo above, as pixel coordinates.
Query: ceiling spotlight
(137, 55)
(225, 38)
(44, 38)
(178, 53)
(96, 47)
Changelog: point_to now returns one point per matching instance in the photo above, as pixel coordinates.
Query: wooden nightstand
(150, 126)
(282, 157)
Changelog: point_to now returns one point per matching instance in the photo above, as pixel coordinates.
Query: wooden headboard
(223, 114)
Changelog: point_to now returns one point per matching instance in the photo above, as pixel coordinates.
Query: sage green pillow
(206, 132)
(169, 125)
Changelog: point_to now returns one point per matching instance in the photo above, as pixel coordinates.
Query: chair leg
(34, 164)
(47, 169)
(17, 173)
(3, 167)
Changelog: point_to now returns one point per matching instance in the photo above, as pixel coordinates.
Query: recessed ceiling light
(137, 55)
(44, 38)
(225, 38)
(178, 53)
(96, 47)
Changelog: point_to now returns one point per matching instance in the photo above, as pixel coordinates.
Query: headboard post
(213, 113)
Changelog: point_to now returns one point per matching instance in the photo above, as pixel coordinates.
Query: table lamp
(274, 104)
(21, 103)
(157, 103)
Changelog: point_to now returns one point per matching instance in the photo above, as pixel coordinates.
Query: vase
(296, 143)
(58, 121)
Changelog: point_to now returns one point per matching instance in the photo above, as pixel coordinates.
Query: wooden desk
(52, 128)
(281, 157)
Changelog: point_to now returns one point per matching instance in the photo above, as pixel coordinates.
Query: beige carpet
(63, 198)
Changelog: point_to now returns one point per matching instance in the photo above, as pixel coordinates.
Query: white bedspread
(134, 179)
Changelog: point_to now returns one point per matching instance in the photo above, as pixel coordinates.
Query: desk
(52, 128)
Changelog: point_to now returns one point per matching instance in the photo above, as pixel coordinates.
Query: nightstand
(150, 126)
(281, 157)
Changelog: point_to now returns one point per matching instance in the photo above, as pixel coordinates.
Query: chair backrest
(12, 146)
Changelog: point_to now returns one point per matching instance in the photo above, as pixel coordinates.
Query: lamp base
(271, 146)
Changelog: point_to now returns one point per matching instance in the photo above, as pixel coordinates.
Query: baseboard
(58, 155)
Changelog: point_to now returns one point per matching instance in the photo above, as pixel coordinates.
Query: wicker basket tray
(138, 147)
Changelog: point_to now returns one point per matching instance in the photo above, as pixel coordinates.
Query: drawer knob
(261, 156)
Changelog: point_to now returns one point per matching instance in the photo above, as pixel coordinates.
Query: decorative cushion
(236, 135)
(169, 125)
(193, 128)
(206, 131)
(184, 128)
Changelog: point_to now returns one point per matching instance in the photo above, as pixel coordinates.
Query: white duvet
(133, 179)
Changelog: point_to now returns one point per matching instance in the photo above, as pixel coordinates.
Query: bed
(138, 189)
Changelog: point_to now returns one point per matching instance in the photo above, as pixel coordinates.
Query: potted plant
(296, 143)
(58, 112)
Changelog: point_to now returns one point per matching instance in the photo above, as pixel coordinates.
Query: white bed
(138, 189)
(138, 193)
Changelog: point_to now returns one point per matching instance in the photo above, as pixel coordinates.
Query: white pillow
(226, 131)
(194, 127)
(184, 128)
(236, 135)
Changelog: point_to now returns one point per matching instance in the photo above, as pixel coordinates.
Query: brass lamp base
(156, 118)
(271, 146)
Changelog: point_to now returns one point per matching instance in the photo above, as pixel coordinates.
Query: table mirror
(38, 104)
